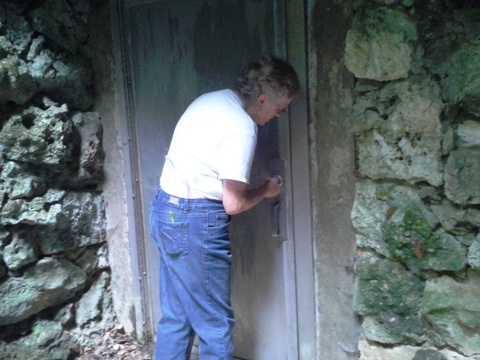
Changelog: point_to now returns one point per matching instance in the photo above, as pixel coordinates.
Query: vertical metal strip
(301, 183)
(136, 220)
(291, 304)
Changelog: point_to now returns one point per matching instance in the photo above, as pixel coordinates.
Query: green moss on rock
(385, 286)
(412, 241)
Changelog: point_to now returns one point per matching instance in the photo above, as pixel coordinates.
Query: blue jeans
(195, 274)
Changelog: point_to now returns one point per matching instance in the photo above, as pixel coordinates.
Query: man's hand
(273, 186)
(236, 197)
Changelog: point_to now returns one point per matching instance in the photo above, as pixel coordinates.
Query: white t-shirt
(214, 139)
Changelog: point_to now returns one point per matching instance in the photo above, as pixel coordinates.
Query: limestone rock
(47, 340)
(92, 258)
(448, 141)
(401, 197)
(448, 254)
(50, 282)
(16, 83)
(473, 216)
(18, 183)
(468, 134)
(374, 352)
(81, 222)
(461, 81)
(379, 45)
(64, 22)
(44, 210)
(468, 239)
(5, 46)
(455, 219)
(429, 354)
(461, 176)
(385, 287)
(390, 328)
(376, 278)
(412, 241)
(69, 220)
(35, 48)
(375, 204)
(90, 167)
(89, 306)
(18, 34)
(21, 251)
(450, 216)
(62, 77)
(454, 319)
(474, 254)
(368, 214)
(94, 311)
(39, 137)
(399, 132)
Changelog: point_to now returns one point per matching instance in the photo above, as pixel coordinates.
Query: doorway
(174, 51)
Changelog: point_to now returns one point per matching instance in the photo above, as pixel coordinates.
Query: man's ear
(262, 98)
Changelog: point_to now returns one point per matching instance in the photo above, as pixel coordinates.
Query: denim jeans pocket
(218, 238)
(173, 238)
(218, 221)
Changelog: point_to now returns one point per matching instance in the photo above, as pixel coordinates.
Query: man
(203, 182)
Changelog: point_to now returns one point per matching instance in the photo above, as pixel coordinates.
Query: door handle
(278, 210)
(275, 220)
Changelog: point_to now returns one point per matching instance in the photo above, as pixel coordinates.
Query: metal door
(175, 51)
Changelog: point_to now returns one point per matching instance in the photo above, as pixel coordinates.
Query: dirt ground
(115, 344)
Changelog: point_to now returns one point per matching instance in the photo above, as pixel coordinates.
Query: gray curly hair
(269, 75)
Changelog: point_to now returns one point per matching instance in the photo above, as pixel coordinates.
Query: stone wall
(416, 120)
(54, 272)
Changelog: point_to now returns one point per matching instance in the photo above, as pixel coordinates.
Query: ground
(115, 344)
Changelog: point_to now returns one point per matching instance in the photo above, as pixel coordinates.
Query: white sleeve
(235, 157)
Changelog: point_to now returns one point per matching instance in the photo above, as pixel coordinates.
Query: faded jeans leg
(175, 335)
(195, 279)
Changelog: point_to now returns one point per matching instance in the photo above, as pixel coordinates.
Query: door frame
(297, 51)
(301, 249)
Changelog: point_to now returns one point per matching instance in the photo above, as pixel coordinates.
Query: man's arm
(236, 197)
